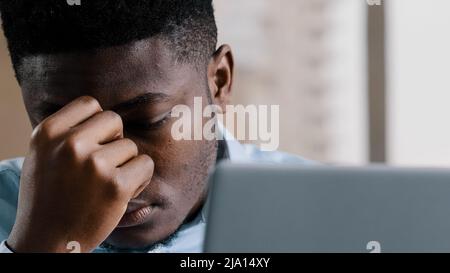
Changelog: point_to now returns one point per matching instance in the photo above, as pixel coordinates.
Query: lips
(137, 213)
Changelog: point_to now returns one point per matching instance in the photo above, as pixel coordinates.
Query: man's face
(142, 83)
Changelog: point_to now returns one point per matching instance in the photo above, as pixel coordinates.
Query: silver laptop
(262, 208)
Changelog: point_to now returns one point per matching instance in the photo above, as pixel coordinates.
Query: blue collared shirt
(190, 237)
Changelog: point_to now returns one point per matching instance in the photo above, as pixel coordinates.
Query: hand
(77, 180)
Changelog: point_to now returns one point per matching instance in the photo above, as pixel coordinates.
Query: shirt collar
(234, 148)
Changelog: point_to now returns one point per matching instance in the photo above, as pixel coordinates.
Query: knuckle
(148, 162)
(114, 188)
(131, 145)
(73, 145)
(90, 102)
(98, 165)
(112, 116)
(46, 130)
(114, 119)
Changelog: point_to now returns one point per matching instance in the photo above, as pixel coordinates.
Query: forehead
(111, 74)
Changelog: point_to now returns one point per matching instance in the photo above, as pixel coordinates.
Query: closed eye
(153, 124)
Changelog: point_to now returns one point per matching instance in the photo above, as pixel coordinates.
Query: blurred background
(356, 83)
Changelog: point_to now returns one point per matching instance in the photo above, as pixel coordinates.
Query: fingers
(101, 128)
(94, 138)
(136, 174)
(118, 152)
(69, 116)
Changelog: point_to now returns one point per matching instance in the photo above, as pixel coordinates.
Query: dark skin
(102, 146)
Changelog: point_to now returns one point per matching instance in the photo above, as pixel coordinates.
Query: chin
(143, 236)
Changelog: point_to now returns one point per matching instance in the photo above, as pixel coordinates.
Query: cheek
(181, 167)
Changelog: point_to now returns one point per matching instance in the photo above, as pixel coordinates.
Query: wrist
(21, 243)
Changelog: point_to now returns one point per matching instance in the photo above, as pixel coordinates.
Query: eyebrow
(147, 98)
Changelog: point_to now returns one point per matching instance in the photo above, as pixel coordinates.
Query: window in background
(418, 82)
(308, 56)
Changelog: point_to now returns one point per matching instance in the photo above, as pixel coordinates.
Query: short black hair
(35, 27)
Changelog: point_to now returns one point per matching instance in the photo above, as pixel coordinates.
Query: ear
(220, 76)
